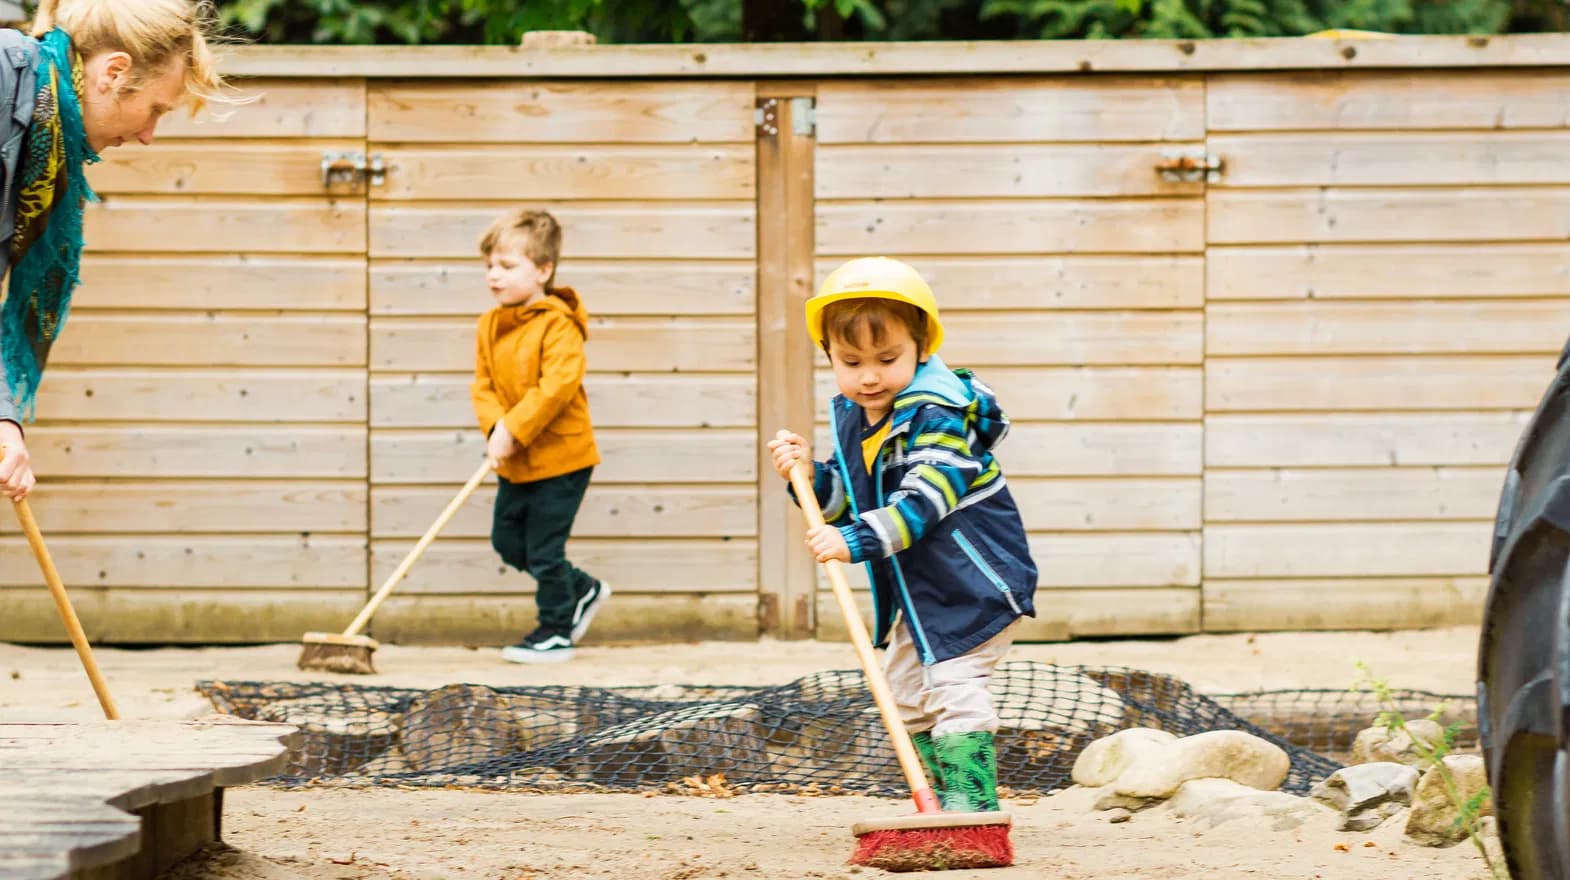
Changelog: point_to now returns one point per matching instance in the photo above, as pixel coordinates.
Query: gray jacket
(18, 85)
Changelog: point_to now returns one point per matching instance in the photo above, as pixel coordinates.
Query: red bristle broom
(929, 840)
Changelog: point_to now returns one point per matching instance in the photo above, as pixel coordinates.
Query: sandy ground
(379, 833)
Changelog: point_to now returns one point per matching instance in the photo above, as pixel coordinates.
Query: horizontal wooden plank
(1084, 393)
(322, 107)
(1069, 449)
(209, 225)
(192, 561)
(1011, 227)
(1133, 559)
(1374, 440)
(1387, 100)
(1089, 559)
(120, 394)
(1387, 159)
(1347, 550)
(715, 455)
(628, 344)
(1072, 613)
(1108, 505)
(1072, 282)
(1073, 338)
(1387, 271)
(947, 58)
(1104, 109)
(533, 111)
(661, 173)
(623, 288)
(689, 230)
(219, 168)
(1343, 603)
(1049, 450)
(674, 565)
(251, 451)
(1385, 328)
(222, 282)
(212, 339)
(1378, 383)
(182, 616)
(200, 506)
(1332, 495)
(880, 171)
(1376, 215)
(608, 511)
(615, 401)
(630, 618)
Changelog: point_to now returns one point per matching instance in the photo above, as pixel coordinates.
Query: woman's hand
(787, 449)
(16, 468)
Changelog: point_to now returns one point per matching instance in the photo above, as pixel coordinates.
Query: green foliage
(1469, 812)
(623, 21)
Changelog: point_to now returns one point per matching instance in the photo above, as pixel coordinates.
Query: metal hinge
(1190, 166)
(803, 117)
(344, 167)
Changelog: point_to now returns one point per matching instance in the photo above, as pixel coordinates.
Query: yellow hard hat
(876, 278)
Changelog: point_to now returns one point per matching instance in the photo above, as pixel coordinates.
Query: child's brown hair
(535, 234)
(847, 319)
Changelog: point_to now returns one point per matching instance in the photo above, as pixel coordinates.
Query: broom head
(333, 652)
(935, 842)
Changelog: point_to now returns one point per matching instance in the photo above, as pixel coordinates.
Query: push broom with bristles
(929, 840)
(351, 652)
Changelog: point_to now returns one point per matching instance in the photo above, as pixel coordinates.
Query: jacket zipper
(970, 550)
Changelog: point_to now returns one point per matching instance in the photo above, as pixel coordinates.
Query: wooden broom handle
(425, 541)
(35, 539)
(801, 477)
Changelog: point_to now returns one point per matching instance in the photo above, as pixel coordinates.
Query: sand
(318, 834)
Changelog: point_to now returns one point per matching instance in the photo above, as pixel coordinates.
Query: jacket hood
(564, 300)
(959, 389)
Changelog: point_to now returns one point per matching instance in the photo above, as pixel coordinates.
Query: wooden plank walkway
(111, 800)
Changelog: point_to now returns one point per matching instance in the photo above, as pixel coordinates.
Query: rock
(1216, 801)
(1119, 815)
(1367, 794)
(1111, 800)
(1381, 744)
(329, 746)
(1104, 760)
(1220, 754)
(701, 739)
(1433, 814)
(456, 725)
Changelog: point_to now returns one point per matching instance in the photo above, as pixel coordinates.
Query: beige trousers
(947, 697)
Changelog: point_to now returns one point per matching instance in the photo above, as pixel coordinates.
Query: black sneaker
(541, 646)
(588, 604)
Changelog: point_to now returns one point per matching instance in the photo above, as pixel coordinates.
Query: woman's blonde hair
(155, 33)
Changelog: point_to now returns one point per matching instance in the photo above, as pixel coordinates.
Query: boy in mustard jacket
(528, 394)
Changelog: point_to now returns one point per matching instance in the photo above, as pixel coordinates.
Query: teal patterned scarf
(46, 247)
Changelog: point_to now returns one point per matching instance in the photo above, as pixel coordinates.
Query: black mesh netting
(818, 734)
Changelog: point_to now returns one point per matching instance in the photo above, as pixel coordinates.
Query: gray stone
(1119, 815)
(1111, 800)
(1367, 794)
(1218, 754)
(1104, 760)
(1433, 818)
(1381, 744)
(1217, 801)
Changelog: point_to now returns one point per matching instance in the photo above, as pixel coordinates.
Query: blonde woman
(93, 74)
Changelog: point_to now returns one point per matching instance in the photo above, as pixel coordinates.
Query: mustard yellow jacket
(528, 375)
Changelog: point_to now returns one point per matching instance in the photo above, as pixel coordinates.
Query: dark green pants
(530, 532)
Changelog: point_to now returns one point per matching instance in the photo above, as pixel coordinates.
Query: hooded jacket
(934, 522)
(528, 375)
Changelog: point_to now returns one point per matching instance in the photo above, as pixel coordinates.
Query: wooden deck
(113, 800)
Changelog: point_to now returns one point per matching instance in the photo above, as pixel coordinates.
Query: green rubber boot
(969, 766)
(929, 758)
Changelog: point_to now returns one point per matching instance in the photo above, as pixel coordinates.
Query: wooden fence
(1280, 396)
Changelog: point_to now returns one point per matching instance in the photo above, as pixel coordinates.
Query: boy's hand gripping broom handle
(73, 626)
(369, 610)
(921, 792)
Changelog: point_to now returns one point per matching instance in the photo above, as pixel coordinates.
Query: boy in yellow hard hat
(913, 491)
